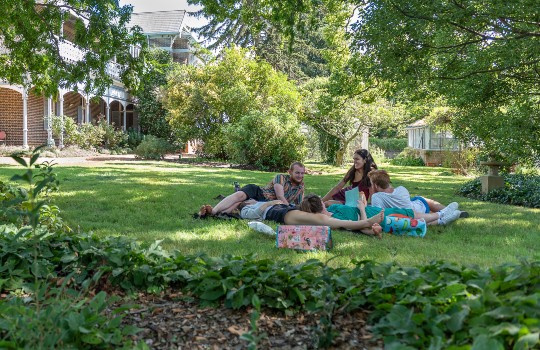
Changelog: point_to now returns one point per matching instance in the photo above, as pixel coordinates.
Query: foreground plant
(437, 306)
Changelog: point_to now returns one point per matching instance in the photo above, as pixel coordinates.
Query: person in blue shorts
(385, 196)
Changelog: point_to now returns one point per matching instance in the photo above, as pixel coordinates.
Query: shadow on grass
(156, 200)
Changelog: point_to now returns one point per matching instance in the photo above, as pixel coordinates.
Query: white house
(430, 144)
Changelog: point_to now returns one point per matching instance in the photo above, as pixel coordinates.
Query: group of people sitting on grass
(283, 201)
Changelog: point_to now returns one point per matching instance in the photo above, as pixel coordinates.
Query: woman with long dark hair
(356, 177)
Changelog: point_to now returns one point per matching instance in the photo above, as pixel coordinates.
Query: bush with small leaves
(153, 148)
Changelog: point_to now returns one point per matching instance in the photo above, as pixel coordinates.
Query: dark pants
(254, 192)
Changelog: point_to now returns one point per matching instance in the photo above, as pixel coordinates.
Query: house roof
(159, 22)
(417, 124)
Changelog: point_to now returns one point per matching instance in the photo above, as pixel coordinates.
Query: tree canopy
(247, 24)
(480, 57)
(202, 100)
(152, 114)
(31, 31)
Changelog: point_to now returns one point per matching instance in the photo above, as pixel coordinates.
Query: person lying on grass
(383, 195)
(253, 210)
(365, 211)
(307, 214)
(289, 189)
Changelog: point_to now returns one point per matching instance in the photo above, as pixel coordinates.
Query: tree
(31, 32)
(246, 24)
(152, 115)
(346, 117)
(202, 100)
(481, 56)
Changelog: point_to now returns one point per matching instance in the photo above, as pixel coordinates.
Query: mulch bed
(172, 321)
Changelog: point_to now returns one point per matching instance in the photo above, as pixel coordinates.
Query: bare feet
(205, 211)
(377, 218)
(377, 230)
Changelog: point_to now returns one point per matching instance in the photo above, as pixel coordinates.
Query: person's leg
(229, 203)
(431, 218)
(434, 205)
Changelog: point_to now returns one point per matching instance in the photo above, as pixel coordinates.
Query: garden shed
(430, 143)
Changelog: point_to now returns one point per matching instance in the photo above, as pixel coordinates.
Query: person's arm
(280, 193)
(334, 190)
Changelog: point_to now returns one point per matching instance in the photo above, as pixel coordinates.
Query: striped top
(293, 193)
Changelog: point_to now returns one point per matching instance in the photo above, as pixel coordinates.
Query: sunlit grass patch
(152, 201)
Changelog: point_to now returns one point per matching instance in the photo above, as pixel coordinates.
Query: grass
(156, 200)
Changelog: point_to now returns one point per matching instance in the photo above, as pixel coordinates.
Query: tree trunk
(340, 155)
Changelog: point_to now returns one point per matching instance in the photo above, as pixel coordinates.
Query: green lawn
(155, 201)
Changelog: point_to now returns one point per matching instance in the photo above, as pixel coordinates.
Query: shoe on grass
(449, 209)
(449, 217)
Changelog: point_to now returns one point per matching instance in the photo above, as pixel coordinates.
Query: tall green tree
(248, 24)
(32, 43)
(480, 56)
(346, 117)
(202, 100)
(153, 117)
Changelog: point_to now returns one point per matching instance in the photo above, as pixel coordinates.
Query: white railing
(114, 69)
(72, 54)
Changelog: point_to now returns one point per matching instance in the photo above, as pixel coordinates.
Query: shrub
(270, 140)
(62, 322)
(389, 144)
(71, 129)
(407, 157)
(134, 138)
(518, 189)
(88, 136)
(112, 139)
(464, 161)
(378, 154)
(153, 148)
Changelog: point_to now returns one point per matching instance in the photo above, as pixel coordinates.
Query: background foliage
(100, 32)
(518, 190)
(203, 100)
(269, 140)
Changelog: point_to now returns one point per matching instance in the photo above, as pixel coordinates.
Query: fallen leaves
(172, 321)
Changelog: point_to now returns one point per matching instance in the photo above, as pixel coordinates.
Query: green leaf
(91, 339)
(117, 271)
(212, 294)
(502, 312)
(301, 296)
(505, 328)
(528, 341)
(35, 157)
(456, 320)
(237, 298)
(20, 160)
(256, 302)
(451, 291)
(67, 258)
(483, 342)
(84, 330)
